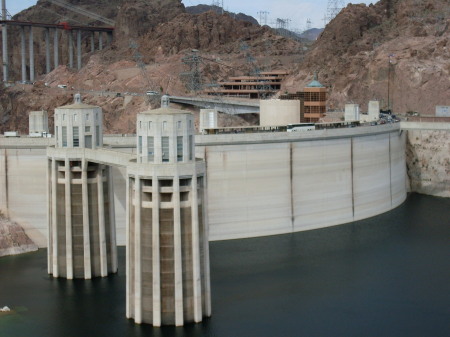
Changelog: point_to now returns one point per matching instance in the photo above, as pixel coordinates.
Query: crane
(83, 11)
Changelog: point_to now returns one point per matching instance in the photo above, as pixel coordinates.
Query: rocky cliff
(428, 162)
(406, 41)
(403, 43)
(199, 9)
(13, 239)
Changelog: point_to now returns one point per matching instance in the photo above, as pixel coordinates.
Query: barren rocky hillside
(351, 55)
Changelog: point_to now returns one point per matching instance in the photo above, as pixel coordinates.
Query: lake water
(384, 276)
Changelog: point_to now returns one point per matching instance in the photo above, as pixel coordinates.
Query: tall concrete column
(178, 262)
(31, 55)
(47, 50)
(49, 217)
(54, 237)
(197, 285)
(86, 235)
(137, 252)
(207, 281)
(70, 36)
(5, 44)
(156, 267)
(22, 53)
(100, 40)
(112, 220)
(68, 206)
(128, 239)
(78, 49)
(92, 42)
(55, 48)
(101, 223)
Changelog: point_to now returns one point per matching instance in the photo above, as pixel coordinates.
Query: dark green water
(384, 276)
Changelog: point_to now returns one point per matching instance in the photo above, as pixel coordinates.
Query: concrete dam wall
(264, 184)
(258, 184)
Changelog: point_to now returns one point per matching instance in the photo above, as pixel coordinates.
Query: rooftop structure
(314, 97)
(266, 83)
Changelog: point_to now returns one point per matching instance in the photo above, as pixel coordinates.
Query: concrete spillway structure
(167, 236)
(82, 242)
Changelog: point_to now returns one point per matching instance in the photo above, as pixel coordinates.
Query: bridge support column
(55, 48)
(5, 50)
(69, 33)
(31, 55)
(78, 49)
(100, 40)
(47, 50)
(22, 53)
(92, 42)
(109, 36)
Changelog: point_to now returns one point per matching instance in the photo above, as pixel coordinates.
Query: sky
(295, 12)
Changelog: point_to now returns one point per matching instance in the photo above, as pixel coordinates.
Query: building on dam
(167, 236)
(81, 241)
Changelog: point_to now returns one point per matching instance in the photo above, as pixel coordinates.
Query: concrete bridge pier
(31, 55)
(109, 37)
(100, 40)
(47, 50)
(78, 49)
(22, 53)
(70, 39)
(92, 42)
(55, 48)
(5, 44)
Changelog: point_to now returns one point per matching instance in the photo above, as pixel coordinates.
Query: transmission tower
(333, 8)
(263, 17)
(218, 4)
(308, 24)
(262, 85)
(141, 65)
(192, 78)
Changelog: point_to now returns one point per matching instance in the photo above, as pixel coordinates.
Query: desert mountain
(405, 39)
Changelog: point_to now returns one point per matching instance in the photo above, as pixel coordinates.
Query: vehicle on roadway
(301, 127)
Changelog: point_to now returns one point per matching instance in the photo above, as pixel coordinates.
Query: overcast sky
(297, 11)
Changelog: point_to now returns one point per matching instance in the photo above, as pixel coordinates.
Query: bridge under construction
(55, 30)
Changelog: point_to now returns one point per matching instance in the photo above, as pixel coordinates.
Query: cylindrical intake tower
(82, 241)
(167, 235)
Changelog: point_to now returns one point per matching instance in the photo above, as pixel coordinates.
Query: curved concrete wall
(280, 183)
(258, 184)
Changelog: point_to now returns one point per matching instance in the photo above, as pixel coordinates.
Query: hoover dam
(257, 184)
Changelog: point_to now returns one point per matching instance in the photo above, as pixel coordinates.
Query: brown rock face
(138, 17)
(428, 162)
(13, 239)
(352, 55)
